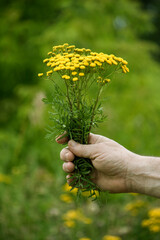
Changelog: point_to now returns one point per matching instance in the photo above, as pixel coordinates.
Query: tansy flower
(68, 188)
(69, 223)
(84, 238)
(5, 178)
(48, 64)
(109, 62)
(56, 69)
(85, 63)
(67, 77)
(92, 65)
(40, 74)
(75, 79)
(124, 62)
(81, 74)
(107, 80)
(110, 237)
(74, 73)
(45, 60)
(66, 198)
(82, 67)
(154, 228)
(72, 68)
(135, 206)
(76, 65)
(77, 215)
(154, 213)
(49, 73)
(114, 62)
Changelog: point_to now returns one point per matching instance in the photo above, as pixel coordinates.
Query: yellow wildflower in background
(69, 223)
(5, 178)
(154, 213)
(135, 206)
(68, 188)
(66, 198)
(154, 228)
(153, 222)
(134, 194)
(110, 237)
(84, 238)
(77, 215)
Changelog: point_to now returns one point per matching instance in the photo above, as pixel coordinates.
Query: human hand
(110, 161)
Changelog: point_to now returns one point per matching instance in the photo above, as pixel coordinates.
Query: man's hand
(109, 159)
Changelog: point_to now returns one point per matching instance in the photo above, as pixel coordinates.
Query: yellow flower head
(154, 228)
(49, 73)
(84, 238)
(67, 77)
(40, 74)
(92, 65)
(74, 73)
(82, 67)
(75, 79)
(45, 60)
(66, 198)
(135, 206)
(5, 178)
(154, 213)
(110, 237)
(81, 74)
(69, 223)
(76, 215)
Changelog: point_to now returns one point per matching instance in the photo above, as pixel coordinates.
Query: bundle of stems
(74, 111)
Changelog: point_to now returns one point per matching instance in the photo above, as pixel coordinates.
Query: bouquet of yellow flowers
(74, 71)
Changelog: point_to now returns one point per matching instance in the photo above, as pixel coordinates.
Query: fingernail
(72, 143)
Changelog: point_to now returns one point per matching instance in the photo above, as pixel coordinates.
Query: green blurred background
(31, 175)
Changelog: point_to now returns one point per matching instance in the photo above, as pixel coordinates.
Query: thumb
(82, 150)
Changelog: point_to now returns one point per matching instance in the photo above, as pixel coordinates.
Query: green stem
(70, 104)
(94, 108)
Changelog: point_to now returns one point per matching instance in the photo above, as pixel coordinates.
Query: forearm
(144, 175)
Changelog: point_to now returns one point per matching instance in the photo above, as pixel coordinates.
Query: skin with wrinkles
(116, 169)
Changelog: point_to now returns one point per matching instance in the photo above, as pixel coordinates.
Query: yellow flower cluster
(72, 215)
(5, 178)
(74, 64)
(67, 188)
(84, 238)
(135, 206)
(66, 198)
(153, 222)
(106, 237)
(110, 237)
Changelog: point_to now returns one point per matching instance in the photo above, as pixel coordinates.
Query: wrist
(143, 175)
(136, 173)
